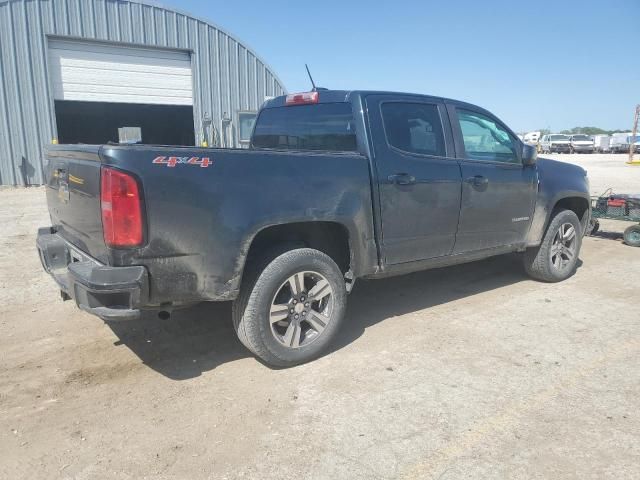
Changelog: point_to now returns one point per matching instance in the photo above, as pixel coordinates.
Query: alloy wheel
(301, 309)
(564, 246)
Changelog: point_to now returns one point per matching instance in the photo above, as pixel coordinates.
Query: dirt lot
(606, 171)
(468, 372)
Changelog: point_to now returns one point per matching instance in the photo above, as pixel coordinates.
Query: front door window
(484, 139)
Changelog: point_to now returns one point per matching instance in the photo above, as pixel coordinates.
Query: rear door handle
(402, 179)
(478, 181)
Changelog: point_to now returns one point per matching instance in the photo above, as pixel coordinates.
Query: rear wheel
(557, 256)
(632, 236)
(288, 312)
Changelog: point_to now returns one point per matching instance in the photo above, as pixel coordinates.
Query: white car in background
(555, 143)
(581, 144)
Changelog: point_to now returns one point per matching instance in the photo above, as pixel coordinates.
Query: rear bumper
(112, 293)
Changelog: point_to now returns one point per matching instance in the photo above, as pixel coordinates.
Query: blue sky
(536, 64)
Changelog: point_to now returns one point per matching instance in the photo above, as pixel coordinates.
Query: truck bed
(202, 207)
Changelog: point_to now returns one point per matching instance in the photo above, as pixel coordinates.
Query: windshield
(558, 137)
(581, 138)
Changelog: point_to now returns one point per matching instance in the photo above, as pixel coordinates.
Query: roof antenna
(310, 78)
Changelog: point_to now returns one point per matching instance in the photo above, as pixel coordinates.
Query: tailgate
(73, 196)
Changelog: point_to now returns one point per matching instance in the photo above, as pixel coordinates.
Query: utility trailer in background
(617, 207)
(621, 142)
(532, 138)
(601, 143)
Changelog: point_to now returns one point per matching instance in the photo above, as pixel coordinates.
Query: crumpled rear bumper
(112, 293)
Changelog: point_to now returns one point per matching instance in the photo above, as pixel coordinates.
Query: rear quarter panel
(201, 221)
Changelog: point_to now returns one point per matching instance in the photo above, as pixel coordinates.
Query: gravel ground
(606, 171)
(473, 371)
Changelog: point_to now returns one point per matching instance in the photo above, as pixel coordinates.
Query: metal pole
(632, 143)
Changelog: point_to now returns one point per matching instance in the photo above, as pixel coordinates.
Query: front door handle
(402, 179)
(478, 181)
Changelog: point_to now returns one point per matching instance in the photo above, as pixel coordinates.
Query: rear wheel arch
(328, 237)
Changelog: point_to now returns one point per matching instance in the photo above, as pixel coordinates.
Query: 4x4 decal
(171, 162)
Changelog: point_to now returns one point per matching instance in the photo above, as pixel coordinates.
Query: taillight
(121, 207)
(302, 98)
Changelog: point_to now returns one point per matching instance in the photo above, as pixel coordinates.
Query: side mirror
(529, 154)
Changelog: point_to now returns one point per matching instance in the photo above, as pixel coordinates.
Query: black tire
(538, 260)
(250, 310)
(632, 236)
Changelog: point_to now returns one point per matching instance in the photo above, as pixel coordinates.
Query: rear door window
(323, 126)
(414, 128)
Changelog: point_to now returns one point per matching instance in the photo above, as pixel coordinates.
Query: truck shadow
(376, 300)
(198, 339)
(607, 235)
(194, 340)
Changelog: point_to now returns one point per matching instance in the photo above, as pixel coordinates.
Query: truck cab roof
(335, 96)
(349, 96)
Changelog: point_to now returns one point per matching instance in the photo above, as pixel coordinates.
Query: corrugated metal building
(75, 70)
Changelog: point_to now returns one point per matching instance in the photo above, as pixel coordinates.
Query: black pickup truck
(337, 185)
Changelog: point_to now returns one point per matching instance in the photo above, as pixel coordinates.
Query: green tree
(590, 131)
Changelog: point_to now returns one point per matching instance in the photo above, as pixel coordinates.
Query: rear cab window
(321, 126)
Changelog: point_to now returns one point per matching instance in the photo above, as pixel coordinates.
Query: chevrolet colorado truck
(337, 185)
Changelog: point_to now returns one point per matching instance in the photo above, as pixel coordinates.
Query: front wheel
(290, 309)
(632, 236)
(556, 258)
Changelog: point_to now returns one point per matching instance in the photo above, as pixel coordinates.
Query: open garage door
(99, 87)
